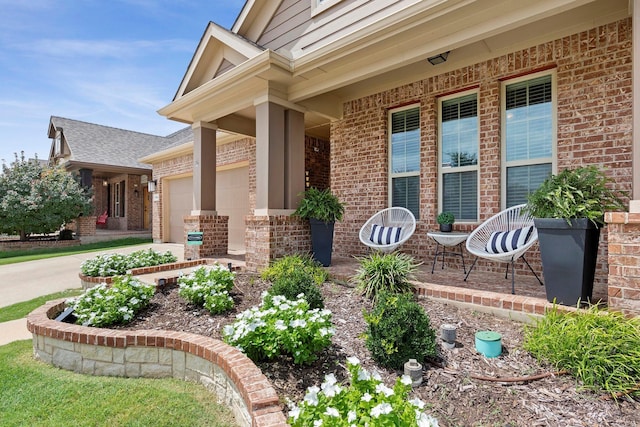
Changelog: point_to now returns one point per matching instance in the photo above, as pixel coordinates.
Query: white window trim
(476, 167)
(116, 200)
(390, 154)
(319, 6)
(503, 131)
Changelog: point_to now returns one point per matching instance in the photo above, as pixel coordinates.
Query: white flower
(351, 416)
(425, 420)
(376, 376)
(364, 375)
(330, 379)
(406, 380)
(332, 412)
(417, 403)
(366, 397)
(381, 409)
(294, 412)
(312, 396)
(280, 325)
(353, 360)
(317, 423)
(298, 323)
(381, 388)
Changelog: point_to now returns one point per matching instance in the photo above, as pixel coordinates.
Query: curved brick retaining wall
(233, 377)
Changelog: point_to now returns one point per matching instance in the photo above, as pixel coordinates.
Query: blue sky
(111, 62)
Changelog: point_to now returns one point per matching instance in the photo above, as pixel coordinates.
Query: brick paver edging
(224, 370)
(90, 281)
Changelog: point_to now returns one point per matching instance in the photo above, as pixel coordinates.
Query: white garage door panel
(180, 204)
(232, 200)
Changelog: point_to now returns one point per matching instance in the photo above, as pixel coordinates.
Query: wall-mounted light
(438, 59)
(105, 183)
(151, 185)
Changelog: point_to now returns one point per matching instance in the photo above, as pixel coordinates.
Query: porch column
(634, 205)
(206, 233)
(272, 232)
(204, 168)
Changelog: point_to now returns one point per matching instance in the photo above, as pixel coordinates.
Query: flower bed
(233, 377)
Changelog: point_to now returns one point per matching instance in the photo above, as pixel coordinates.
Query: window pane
(522, 180)
(405, 141)
(460, 132)
(406, 193)
(460, 195)
(529, 119)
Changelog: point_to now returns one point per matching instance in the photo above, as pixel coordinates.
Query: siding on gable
(293, 29)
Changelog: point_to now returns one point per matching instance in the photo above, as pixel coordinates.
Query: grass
(12, 257)
(36, 394)
(21, 309)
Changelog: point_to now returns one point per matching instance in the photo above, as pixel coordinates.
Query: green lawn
(36, 394)
(21, 309)
(12, 257)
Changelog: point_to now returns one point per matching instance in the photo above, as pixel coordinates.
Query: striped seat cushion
(507, 241)
(385, 235)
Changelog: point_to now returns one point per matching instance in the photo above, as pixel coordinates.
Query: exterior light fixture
(448, 334)
(438, 59)
(151, 186)
(105, 183)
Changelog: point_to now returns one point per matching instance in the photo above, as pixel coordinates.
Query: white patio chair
(388, 229)
(504, 237)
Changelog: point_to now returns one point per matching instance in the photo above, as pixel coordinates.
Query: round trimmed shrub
(398, 329)
(298, 282)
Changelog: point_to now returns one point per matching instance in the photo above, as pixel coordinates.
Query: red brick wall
(272, 237)
(317, 162)
(594, 87)
(624, 262)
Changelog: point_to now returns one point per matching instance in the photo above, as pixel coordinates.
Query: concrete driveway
(27, 280)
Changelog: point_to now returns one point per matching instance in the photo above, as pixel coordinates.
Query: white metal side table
(448, 240)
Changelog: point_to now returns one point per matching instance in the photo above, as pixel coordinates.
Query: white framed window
(319, 6)
(117, 201)
(529, 106)
(404, 158)
(57, 145)
(459, 143)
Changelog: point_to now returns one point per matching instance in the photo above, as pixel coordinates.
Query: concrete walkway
(25, 281)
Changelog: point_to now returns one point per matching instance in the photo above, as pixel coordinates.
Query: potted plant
(568, 211)
(446, 220)
(322, 208)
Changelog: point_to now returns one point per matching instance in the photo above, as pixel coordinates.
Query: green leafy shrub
(445, 218)
(105, 265)
(600, 348)
(398, 329)
(380, 272)
(322, 205)
(281, 326)
(366, 401)
(208, 286)
(106, 305)
(295, 283)
(292, 263)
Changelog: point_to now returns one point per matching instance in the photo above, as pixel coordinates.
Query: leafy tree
(39, 199)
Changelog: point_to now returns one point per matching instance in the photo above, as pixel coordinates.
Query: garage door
(232, 200)
(180, 204)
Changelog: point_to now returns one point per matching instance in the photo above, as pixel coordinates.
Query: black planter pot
(569, 254)
(446, 228)
(322, 241)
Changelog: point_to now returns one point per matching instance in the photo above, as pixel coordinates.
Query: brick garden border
(222, 369)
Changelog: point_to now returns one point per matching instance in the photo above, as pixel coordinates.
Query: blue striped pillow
(507, 241)
(385, 235)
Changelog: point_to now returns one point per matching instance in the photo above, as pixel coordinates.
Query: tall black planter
(569, 254)
(322, 241)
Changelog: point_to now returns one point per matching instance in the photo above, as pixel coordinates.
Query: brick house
(454, 105)
(106, 160)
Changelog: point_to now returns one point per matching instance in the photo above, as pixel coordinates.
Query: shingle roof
(92, 143)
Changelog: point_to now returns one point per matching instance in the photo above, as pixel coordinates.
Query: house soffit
(413, 34)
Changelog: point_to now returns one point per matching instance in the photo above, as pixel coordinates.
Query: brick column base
(271, 237)
(86, 226)
(215, 237)
(624, 262)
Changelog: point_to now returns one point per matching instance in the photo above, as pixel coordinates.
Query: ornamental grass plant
(381, 272)
(290, 264)
(600, 348)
